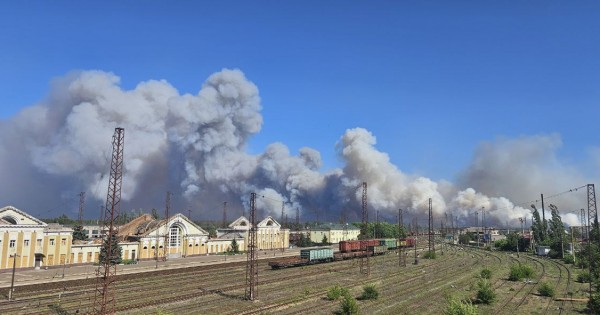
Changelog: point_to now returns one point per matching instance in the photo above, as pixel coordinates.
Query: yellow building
(179, 237)
(334, 233)
(269, 233)
(34, 243)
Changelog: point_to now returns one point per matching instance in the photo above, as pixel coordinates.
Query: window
(174, 238)
(38, 242)
(51, 242)
(12, 243)
(63, 241)
(26, 242)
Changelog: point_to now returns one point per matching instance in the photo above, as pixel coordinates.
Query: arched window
(11, 220)
(269, 223)
(175, 234)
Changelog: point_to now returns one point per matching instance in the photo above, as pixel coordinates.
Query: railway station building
(27, 242)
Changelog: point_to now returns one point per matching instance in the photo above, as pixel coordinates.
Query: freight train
(348, 250)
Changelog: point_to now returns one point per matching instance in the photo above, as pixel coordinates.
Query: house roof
(146, 225)
(334, 226)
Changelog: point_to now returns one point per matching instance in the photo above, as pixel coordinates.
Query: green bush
(486, 274)
(569, 259)
(584, 277)
(518, 273)
(485, 293)
(348, 306)
(544, 289)
(336, 292)
(369, 293)
(129, 262)
(429, 255)
(594, 303)
(458, 307)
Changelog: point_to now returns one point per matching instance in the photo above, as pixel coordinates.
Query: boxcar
(378, 250)
(349, 246)
(389, 243)
(407, 242)
(317, 254)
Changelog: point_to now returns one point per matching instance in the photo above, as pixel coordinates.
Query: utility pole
(365, 268)
(483, 224)
(224, 224)
(416, 238)
(431, 238)
(167, 229)
(81, 206)
(251, 258)
(401, 258)
(477, 226)
(104, 299)
(297, 219)
(12, 279)
(593, 224)
(573, 247)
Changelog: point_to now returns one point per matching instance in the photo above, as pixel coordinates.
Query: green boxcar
(378, 250)
(317, 254)
(389, 243)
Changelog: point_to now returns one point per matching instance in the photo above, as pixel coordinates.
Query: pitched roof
(334, 226)
(23, 214)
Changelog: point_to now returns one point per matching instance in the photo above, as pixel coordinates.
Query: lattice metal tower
(104, 299)
(167, 230)
(592, 224)
(251, 258)
(224, 224)
(431, 233)
(401, 257)
(365, 267)
(282, 210)
(297, 219)
(81, 207)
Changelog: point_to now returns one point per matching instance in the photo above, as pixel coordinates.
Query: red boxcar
(353, 246)
(349, 246)
(407, 242)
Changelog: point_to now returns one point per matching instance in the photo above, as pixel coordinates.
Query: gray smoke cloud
(195, 147)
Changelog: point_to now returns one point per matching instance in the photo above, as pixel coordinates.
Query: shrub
(429, 255)
(544, 289)
(594, 303)
(485, 293)
(369, 293)
(569, 259)
(517, 272)
(348, 306)
(486, 273)
(458, 307)
(129, 261)
(584, 277)
(336, 292)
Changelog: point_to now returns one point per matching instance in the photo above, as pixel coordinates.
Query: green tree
(324, 241)
(154, 214)
(538, 227)
(114, 256)
(79, 234)
(556, 233)
(304, 241)
(466, 238)
(485, 293)
(458, 307)
(235, 248)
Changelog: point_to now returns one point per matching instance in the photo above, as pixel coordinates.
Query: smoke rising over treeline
(195, 147)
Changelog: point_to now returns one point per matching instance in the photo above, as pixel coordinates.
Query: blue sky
(430, 79)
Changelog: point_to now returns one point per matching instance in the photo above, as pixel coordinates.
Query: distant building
(334, 232)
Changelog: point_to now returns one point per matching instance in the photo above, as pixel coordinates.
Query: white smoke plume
(195, 147)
